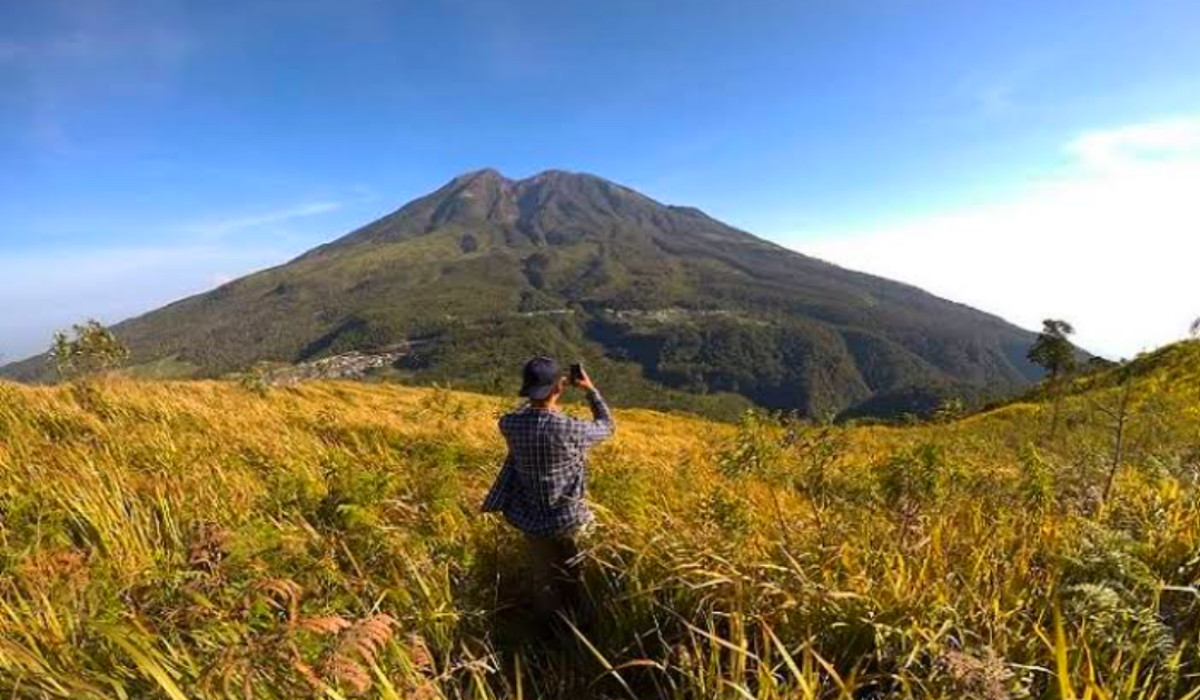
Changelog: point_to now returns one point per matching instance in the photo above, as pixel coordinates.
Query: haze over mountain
(673, 307)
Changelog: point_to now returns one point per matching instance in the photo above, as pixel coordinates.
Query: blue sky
(154, 148)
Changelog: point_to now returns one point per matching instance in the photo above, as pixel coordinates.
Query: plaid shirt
(541, 486)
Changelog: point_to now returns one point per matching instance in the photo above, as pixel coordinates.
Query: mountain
(670, 306)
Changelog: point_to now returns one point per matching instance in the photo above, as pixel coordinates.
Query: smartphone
(576, 373)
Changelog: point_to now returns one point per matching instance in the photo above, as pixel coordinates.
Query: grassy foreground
(202, 540)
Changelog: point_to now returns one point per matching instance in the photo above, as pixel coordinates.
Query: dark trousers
(556, 574)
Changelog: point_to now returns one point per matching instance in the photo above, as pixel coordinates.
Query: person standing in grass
(540, 489)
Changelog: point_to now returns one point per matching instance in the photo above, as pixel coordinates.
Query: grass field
(207, 540)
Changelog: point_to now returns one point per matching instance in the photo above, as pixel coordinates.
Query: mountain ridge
(674, 305)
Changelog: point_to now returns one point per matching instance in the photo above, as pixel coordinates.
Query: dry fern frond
(279, 588)
(421, 688)
(367, 637)
(55, 568)
(981, 676)
(208, 548)
(358, 648)
(348, 672)
(282, 593)
(418, 652)
(309, 674)
(329, 624)
(424, 691)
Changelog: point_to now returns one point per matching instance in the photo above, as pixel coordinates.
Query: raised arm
(601, 426)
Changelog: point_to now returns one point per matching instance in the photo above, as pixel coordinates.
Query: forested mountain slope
(677, 308)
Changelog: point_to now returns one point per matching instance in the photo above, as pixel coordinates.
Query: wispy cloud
(1003, 92)
(48, 290)
(995, 98)
(1137, 145)
(220, 227)
(1111, 244)
(44, 290)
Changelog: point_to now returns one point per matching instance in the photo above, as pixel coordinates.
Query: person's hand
(585, 382)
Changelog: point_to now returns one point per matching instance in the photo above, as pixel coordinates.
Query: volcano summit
(670, 306)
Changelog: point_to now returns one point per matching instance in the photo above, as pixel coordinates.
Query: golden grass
(197, 539)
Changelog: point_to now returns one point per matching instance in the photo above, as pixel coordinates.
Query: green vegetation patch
(201, 540)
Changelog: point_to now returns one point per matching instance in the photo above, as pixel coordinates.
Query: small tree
(93, 349)
(1196, 328)
(1119, 415)
(1054, 352)
(950, 410)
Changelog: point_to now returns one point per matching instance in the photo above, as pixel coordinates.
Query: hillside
(676, 308)
(203, 540)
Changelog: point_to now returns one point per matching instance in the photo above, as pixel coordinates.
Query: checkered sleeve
(498, 496)
(601, 427)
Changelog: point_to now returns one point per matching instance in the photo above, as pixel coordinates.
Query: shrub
(93, 349)
(1037, 478)
(756, 449)
(914, 477)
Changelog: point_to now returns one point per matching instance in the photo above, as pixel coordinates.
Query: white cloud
(45, 291)
(1112, 245)
(1132, 146)
(221, 227)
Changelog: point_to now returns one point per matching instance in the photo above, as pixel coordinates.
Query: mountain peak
(551, 176)
(572, 179)
(480, 175)
(486, 269)
(553, 205)
(556, 174)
